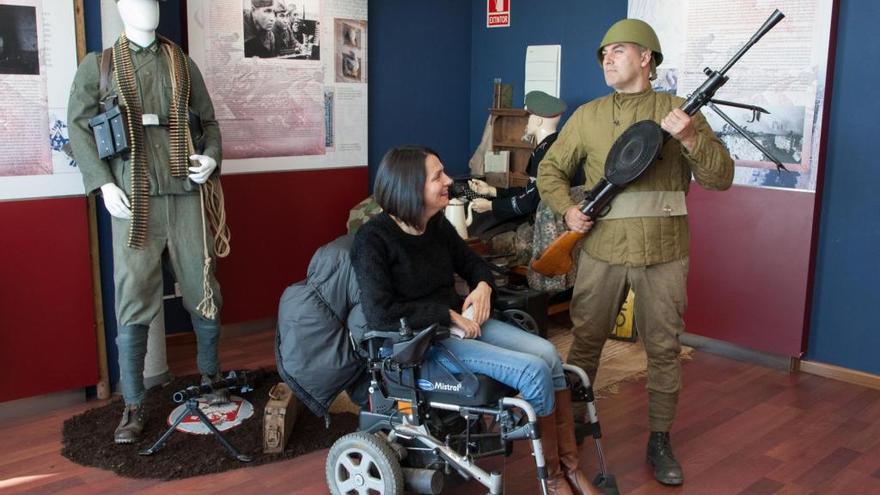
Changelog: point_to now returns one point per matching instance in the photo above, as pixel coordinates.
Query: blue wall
(419, 65)
(576, 25)
(844, 326)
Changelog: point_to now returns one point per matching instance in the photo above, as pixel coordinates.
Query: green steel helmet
(632, 31)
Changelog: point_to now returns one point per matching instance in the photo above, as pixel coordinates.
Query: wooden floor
(741, 429)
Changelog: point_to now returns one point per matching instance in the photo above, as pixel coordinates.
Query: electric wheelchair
(425, 422)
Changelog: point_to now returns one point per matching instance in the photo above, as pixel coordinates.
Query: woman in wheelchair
(405, 259)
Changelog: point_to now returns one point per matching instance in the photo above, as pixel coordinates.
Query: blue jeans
(513, 357)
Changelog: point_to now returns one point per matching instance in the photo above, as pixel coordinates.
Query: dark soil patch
(88, 437)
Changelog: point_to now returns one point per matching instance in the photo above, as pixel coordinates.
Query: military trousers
(661, 298)
(175, 225)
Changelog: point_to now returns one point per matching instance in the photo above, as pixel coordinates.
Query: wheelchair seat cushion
(489, 391)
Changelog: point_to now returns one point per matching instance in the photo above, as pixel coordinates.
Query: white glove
(206, 167)
(481, 205)
(116, 201)
(482, 188)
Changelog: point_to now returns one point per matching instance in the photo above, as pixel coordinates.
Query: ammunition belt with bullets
(177, 124)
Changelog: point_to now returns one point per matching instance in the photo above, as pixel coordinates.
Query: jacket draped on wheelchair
(419, 420)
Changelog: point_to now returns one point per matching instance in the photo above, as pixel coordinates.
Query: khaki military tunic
(586, 139)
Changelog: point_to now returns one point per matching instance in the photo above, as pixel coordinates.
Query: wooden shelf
(507, 130)
(509, 112)
(513, 144)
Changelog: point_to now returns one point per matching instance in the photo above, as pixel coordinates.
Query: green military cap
(544, 105)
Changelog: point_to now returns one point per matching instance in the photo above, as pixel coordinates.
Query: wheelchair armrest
(440, 333)
(412, 350)
(406, 349)
(378, 334)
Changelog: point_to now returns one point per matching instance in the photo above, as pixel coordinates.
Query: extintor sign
(498, 13)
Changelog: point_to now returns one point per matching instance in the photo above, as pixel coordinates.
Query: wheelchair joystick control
(405, 330)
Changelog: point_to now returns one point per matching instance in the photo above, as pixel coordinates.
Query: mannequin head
(140, 18)
(537, 128)
(544, 114)
(139, 14)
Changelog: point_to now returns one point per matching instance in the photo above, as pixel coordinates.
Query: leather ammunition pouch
(110, 127)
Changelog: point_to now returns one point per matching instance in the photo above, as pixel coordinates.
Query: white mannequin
(141, 18)
(537, 128)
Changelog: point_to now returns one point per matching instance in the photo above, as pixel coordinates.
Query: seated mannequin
(521, 202)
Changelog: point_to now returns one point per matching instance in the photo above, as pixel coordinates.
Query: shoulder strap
(106, 61)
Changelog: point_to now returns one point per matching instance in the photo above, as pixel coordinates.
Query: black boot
(666, 469)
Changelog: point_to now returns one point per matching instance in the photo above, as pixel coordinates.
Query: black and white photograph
(281, 29)
(19, 53)
(666, 82)
(351, 64)
(351, 35)
(350, 42)
(781, 132)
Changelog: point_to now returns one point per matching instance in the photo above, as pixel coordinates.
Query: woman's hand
(471, 328)
(481, 299)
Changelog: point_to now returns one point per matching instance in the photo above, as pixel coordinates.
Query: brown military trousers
(661, 298)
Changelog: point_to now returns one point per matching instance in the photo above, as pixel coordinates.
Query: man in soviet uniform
(151, 192)
(645, 245)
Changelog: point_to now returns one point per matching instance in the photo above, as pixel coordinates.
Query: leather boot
(556, 482)
(666, 469)
(132, 424)
(568, 449)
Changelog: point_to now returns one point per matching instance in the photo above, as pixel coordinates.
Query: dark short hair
(400, 183)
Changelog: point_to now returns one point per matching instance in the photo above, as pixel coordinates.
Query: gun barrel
(771, 21)
(234, 380)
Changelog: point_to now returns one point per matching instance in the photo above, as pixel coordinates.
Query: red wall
(47, 336)
(750, 265)
(277, 221)
(47, 319)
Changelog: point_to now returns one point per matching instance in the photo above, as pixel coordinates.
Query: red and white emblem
(222, 416)
(498, 13)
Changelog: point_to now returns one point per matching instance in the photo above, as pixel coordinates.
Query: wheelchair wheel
(362, 463)
(521, 319)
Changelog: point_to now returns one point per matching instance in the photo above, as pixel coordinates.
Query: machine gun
(638, 147)
(240, 380)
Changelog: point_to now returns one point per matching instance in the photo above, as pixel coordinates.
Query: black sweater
(411, 276)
